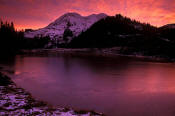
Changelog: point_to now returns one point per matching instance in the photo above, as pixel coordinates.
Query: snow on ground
(15, 101)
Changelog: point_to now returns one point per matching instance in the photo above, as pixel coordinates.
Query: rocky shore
(15, 101)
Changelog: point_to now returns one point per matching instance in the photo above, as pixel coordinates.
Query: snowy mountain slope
(77, 24)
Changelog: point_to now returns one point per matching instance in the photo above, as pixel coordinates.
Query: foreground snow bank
(15, 101)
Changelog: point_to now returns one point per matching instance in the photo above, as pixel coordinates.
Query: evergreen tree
(67, 33)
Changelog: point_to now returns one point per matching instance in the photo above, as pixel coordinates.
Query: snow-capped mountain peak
(74, 21)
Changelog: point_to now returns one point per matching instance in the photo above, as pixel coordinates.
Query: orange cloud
(39, 13)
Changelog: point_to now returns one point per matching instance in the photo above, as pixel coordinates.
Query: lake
(115, 86)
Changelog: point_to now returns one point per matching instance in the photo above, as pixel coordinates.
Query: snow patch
(15, 101)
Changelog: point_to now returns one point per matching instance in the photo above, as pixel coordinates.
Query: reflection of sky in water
(99, 83)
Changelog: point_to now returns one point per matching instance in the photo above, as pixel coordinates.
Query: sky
(36, 14)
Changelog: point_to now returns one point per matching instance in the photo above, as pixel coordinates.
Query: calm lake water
(115, 86)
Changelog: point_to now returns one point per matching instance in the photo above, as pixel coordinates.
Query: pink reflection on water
(150, 78)
(115, 86)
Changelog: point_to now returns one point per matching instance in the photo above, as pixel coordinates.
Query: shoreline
(16, 101)
(106, 52)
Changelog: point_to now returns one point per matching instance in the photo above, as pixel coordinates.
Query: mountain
(72, 21)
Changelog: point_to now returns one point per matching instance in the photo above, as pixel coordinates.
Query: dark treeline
(12, 41)
(132, 36)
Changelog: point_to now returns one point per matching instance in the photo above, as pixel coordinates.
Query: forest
(12, 41)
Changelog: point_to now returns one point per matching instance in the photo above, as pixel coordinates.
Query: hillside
(131, 36)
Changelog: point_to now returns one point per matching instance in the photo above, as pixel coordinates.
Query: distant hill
(108, 32)
(168, 26)
(168, 32)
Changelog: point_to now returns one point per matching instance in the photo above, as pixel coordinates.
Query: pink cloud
(39, 13)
